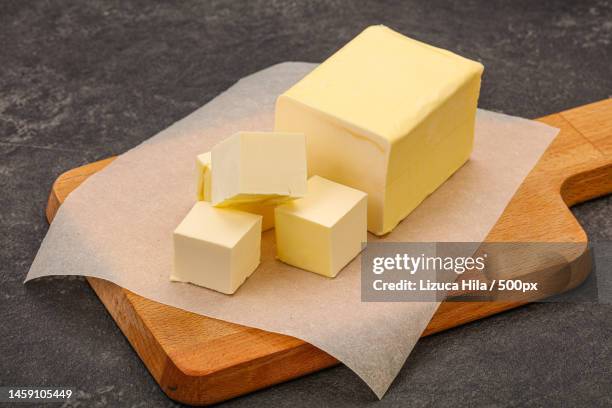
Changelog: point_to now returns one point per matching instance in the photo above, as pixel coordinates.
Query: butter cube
(216, 248)
(323, 231)
(203, 193)
(388, 115)
(258, 167)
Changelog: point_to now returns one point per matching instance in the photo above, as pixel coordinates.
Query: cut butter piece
(216, 248)
(203, 193)
(323, 231)
(387, 115)
(258, 167)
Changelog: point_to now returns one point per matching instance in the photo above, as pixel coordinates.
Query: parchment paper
(118, 226)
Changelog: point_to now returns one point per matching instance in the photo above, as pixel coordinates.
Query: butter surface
(216, 248)
(203, 193)
(203, 177)
(254, 167)
(387, 115)
(323, 231)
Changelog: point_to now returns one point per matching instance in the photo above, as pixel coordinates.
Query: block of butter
(203, 193)
(323, 231)
(258, 167)
(216, 248)
(388, 115)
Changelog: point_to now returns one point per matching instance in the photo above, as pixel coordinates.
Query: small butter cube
(203, 193)
(388, 115)
(258, 167)
(216, 248)
(323, 231)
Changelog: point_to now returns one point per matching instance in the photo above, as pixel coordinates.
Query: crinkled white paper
(118, 226)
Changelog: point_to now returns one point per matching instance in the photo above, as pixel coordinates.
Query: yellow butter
(387, 115)
(203, 177)
(216, 248)
(254, 167)
(203, 193)
(323, 231)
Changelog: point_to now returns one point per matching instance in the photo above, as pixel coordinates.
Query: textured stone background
(80, 81)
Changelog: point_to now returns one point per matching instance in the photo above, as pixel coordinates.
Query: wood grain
(199, 360)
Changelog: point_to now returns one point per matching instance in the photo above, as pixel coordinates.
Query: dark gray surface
(80, 82)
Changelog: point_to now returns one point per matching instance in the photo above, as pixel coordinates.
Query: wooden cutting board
(199, 360)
